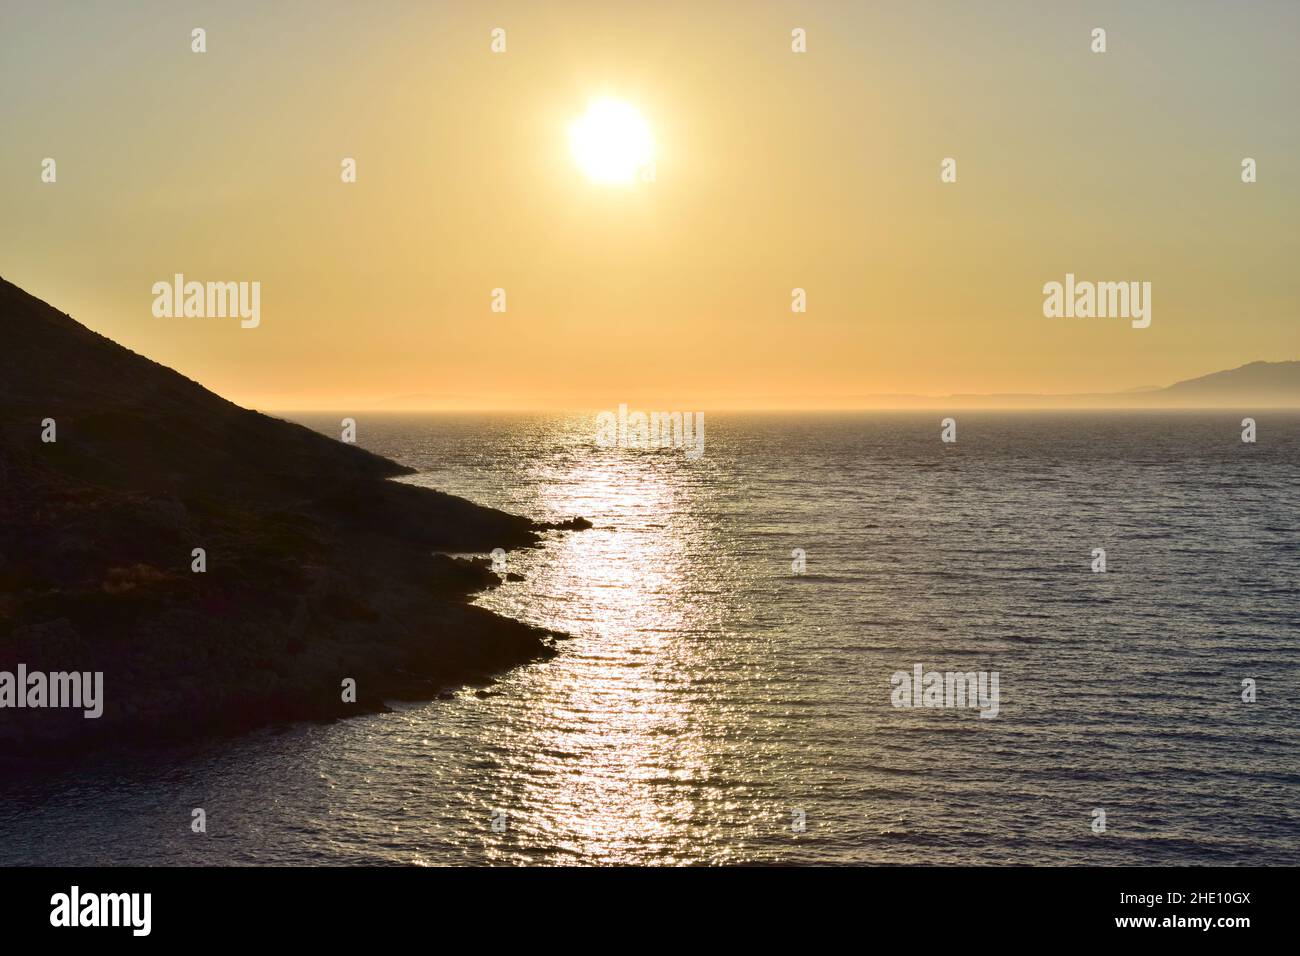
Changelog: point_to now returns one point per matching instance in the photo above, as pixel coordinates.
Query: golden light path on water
(609, 753)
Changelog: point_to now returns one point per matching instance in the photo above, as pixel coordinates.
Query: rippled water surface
(711, 696)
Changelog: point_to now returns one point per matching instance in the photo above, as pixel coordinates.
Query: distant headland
(1252, 386)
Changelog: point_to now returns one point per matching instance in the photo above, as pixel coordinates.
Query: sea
(744, 627)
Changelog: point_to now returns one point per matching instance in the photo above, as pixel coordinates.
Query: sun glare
(611, 142)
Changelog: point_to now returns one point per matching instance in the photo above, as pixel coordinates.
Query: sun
(611, 142)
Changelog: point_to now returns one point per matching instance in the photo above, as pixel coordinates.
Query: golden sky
(773, 170)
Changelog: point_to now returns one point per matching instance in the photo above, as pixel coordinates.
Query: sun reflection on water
(608, 749)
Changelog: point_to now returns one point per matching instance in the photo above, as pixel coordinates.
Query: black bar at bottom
(333, 906)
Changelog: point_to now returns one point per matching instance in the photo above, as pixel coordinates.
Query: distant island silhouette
(318, 568)
(1252, 386)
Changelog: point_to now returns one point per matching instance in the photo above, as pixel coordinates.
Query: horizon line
(574, 410)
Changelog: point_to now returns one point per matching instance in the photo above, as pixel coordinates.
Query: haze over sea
(709, 692)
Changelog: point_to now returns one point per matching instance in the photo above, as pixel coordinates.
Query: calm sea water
(711, 697)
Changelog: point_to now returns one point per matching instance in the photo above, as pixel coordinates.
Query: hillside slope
(318, 568)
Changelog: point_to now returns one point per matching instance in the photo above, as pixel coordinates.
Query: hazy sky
(774, 170)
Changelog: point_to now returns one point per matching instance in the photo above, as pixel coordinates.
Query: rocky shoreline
(317, 569)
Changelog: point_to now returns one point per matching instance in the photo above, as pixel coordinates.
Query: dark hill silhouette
(318, 567)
